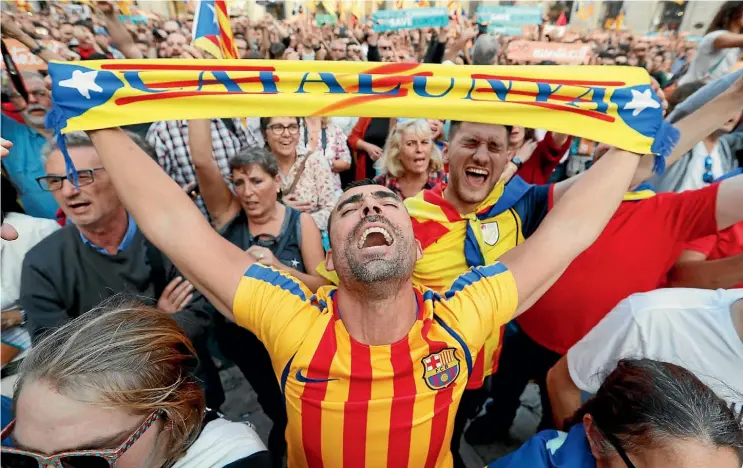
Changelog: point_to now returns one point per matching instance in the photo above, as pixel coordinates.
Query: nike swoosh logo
(303, 379)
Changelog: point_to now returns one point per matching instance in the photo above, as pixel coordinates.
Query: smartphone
(15, 75)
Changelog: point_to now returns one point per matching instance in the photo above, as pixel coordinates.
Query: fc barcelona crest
(440, 369)
(490, 233)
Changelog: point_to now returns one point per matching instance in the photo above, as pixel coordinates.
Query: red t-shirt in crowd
(633, 254)
(725, 244)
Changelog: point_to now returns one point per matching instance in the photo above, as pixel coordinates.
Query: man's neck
(710, 142)
(736, 313)
(379, 315)
(111, 232)
(461, 207)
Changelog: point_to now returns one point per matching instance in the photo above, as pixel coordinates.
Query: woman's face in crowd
(658, 63)
(679, 453)
(283, 142)
(84, 36)
(415, 153)
(516, 138)
(256, 189)
(48, 422)
(437, 128)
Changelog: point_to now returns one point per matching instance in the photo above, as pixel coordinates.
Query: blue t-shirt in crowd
(551, 449)
(24, 165)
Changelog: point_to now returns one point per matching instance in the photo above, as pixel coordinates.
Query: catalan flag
(212, 31)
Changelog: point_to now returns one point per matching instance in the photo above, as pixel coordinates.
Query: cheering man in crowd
(335, 353)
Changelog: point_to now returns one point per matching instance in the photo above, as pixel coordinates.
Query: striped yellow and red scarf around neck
(614, 105)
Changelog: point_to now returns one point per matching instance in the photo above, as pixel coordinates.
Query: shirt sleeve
(704, 95)
(161, 150)
(691, 214)
(276, 307)
(703, 245)
(617, 336)
(481, 301)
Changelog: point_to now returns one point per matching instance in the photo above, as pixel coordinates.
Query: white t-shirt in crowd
(31, 231)
(694, 177)
(710, 63)
(692, 328)
(220, 443)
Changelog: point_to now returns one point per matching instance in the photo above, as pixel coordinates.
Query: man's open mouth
(376, 236)
(77, 205)
(476, 175)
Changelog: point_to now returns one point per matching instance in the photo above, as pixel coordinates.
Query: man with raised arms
(374, 369)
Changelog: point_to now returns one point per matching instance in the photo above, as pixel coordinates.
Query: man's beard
(380, 269)
(35, 120)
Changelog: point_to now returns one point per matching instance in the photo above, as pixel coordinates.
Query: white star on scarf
(641, 101)
(83, 82)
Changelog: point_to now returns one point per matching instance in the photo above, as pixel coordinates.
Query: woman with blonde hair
(115, 387)
(411, 161)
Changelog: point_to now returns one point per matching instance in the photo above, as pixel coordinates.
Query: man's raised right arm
(171, 221)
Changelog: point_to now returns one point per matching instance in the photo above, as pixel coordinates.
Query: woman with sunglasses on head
(115, 387)
(646, 414)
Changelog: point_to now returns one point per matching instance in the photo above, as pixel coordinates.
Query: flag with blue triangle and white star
(614, 105)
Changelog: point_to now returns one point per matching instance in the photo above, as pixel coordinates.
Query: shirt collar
(131, 230)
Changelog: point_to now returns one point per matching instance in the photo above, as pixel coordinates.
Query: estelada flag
(212, 30)
(614, 105)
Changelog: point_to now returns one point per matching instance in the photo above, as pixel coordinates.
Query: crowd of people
(387, 286)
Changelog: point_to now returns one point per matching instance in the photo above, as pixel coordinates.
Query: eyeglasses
(617, 446)
(16, 458)
(708, 177)
(278, 129)
(53, 183)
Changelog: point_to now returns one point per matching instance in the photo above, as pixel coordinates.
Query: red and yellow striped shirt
(355, 405)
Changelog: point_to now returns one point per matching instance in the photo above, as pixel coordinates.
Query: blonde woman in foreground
(115, 387)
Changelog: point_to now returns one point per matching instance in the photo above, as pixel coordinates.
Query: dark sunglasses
(708, 177)
(17, 458)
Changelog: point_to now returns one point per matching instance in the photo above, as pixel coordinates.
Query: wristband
(517, 162)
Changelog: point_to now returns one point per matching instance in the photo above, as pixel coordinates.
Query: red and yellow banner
(615, 105)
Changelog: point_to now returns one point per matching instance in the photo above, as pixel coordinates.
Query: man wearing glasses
(24, 164)
(100, 253)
